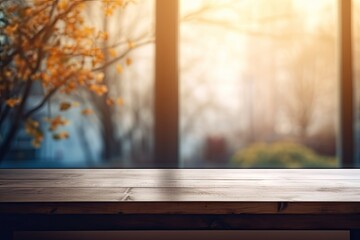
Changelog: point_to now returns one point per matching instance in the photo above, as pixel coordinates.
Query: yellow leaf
(131, 44)
(112, 52)
(57, 122)
(98, 89)
(108, 11)
(104, 36)
(32, 124)
(120, 101)
(75, 104)
(33, 128)
(63, 4)
(99, 77)
(119, 68)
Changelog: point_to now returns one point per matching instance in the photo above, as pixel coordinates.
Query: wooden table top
(187, 191)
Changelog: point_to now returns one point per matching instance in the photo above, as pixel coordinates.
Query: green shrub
(281, 155)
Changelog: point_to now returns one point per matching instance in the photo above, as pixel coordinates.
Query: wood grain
(179, 185)
(180, 199)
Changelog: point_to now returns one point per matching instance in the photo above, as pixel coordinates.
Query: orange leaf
(128, 61)
(87, 112)
(110, 101)
(61, 135)
(57, 122)
(120, 101)
(112, 52)
(64, 106)
(119, 68)
(12, 102)
(98, 89)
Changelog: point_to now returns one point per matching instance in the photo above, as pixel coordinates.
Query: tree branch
(114, 60)
(41, 104)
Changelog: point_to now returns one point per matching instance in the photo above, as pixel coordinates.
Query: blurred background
(259, 88)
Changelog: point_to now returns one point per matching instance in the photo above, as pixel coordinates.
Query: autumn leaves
(50, 42)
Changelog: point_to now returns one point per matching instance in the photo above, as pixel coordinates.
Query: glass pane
(91, 65)
(259, 85)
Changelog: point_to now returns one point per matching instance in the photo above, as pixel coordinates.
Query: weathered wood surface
(179, 199)
(186, 191)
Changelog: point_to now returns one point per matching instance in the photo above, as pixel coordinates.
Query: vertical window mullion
(346, 143)
(166, 149)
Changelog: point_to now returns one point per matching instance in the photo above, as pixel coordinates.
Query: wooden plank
(180, 199)
(191, 190)
(257, 193)
(159, 183)
(180, 185)
(247, 194)
(61, 194)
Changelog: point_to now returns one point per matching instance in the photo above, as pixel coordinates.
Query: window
(326, 47)
(113, 129)
(259, 83)
(242, 84)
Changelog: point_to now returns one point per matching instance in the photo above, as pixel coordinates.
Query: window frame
(346, 142)
(166, 132)
(166, 99)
